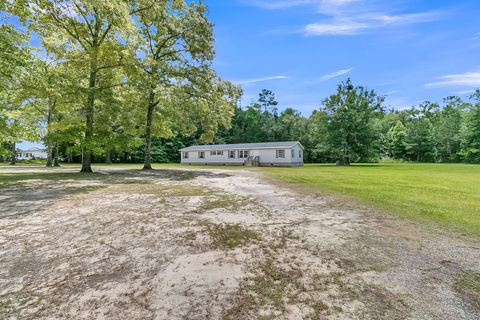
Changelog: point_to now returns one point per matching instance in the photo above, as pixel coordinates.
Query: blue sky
(410, 51)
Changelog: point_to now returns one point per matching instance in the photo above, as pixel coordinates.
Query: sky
(408, 50)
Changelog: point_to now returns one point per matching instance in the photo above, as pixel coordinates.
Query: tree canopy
(108, 72)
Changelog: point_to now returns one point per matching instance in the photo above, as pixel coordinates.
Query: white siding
(193, 157)
(31, 154)
(298, 154)
(267, 156)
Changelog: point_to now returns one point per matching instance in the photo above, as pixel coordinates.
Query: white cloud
(355, 24)
(332, 75)
(336, 74)
(468, 79)
(285, 4)
(347, 17)
(406, 18)
(332, 29)
(250, 81)
(464, 92)
(277, 4)
(389, 93)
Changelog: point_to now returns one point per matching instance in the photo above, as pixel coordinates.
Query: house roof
(30, 149)
(259, 145)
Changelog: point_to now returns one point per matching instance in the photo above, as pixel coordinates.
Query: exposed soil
(217, 244)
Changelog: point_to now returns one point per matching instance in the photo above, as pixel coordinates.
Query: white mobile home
(288, 153)
(33, 153)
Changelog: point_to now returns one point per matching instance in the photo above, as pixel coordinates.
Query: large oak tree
(179, 89)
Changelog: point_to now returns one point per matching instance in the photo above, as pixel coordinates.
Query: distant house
(287, 153)
(32, 153)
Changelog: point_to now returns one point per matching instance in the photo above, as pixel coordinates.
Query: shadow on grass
(23, 193)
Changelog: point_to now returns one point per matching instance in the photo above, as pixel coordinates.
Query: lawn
(448, 194)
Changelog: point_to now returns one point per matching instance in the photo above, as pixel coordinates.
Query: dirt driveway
(215, 244)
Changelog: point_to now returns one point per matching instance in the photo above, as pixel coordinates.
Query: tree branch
(84, 18)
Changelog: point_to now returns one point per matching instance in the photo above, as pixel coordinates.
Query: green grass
(469, 280)
(448, 194)
(230, 236)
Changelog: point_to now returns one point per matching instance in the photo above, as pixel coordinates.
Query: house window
(213, 153)
(219, 153)
(201, 155)
(280, 153)
(185, 155)
(299, 153)
(242, 154)
(293, 153)
(231, 154)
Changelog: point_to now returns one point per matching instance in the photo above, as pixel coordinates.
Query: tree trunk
(87, 154)
(346, 155)
(108, 156)
(49, 142)
(49, 155)
(56, 162)
(147, 163)
(13, 158)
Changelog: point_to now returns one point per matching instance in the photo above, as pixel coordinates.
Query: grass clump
(228, 201)
(220, 201)
(272, 287)
(266, 292)
(469, 282)
(378, 267)
(230, 236)
(190, 236)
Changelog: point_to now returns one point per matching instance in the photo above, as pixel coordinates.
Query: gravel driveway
(217, 244)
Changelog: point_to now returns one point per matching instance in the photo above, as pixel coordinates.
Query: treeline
(352, 126)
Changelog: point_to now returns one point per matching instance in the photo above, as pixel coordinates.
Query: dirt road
(216, 244)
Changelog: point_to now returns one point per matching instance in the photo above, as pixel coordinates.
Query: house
(287, 153)
(32, 153)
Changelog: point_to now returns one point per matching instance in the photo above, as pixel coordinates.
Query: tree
(350, 126)
(396, 139)
(266, 99)
(420, 143)
(470, 147)
(15, 56)
(86, 35)
(316, 143)
(447, 129)
(175, 78)
(42, 90)
(290, 125)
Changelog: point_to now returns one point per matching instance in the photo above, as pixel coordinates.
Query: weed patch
(230, 236)
(468, 283)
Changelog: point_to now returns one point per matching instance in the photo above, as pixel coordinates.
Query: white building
(32, 153)
(288, 153)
